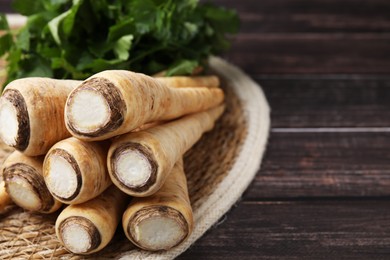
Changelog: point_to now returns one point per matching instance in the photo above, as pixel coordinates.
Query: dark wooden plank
(352, 101)
(311, 53)
(303, 15)
(291, 16)
(295, 16)
(299, 230)
(304, 36)
(5, 6)
(300, 165)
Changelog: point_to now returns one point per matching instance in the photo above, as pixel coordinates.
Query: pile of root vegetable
(110, 148)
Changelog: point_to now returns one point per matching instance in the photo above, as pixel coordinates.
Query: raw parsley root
(190, 82)
(120, 101)
(75, 39)
(31, 113)
(163, 220)
(139, 163)
(25, 185)
(75, 171)
(88, 227)
(5, 199)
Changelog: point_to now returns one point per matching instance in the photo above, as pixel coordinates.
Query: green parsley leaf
(3, 22)
(182, 67)
(122, 47)
(5, 43)
(77, 38)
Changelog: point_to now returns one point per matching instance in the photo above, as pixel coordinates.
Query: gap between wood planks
(319, 199)
(260, 77)
(328, 103)
(332, 130)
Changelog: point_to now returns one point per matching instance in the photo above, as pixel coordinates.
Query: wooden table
(324, 184)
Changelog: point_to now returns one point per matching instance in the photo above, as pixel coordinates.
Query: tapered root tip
(159, 229)
(62, 175)
(94, 108)
(134, 168)
(79, 235)
(14, 120)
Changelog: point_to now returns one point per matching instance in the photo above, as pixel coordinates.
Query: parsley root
(163, 220)
(139, 163)
(25, 185)
(75, 171)
(120, 101)
(182, 81)
(88, 227)
(5, 199)
(32, 113)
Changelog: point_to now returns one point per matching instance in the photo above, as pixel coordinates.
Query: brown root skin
(25, 185)
(197, 71)
(88, 162)
(170, 202)
(190, 82)
(98, 218)
(162, 146)
(39, 103)
(5, 199)
(147, 126)
(141, 100)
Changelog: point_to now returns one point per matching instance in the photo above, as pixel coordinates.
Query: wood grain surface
(328, 101)
(318, 229)
(5, 6)
(311, 16)
(324, 164)
(323, 190)
(306, 36)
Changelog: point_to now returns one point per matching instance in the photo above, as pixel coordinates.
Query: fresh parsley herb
(75, 39)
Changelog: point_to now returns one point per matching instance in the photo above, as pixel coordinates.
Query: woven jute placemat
(219, 168)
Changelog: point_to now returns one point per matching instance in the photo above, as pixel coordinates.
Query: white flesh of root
(158, 233)
(61, 179)
(91, 118)
(76, 238)
(9, 125)
(22, 194)
(132, 168)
